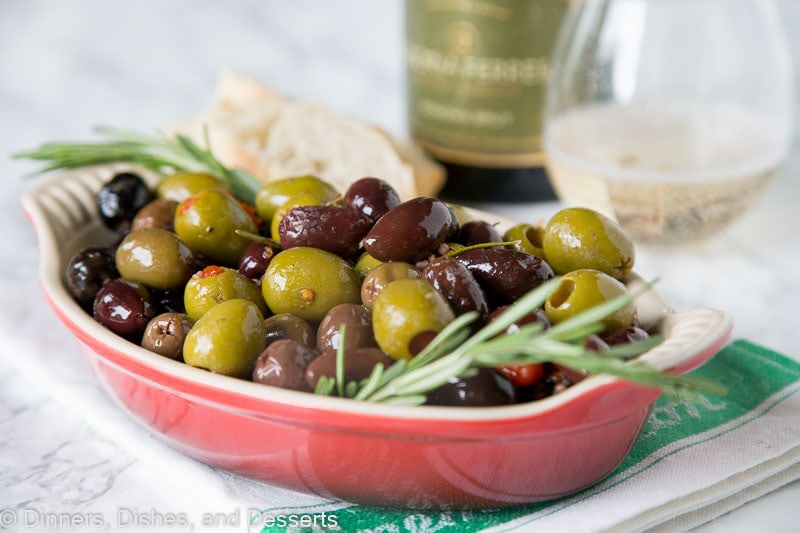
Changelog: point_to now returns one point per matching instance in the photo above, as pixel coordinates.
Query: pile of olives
(261, 292)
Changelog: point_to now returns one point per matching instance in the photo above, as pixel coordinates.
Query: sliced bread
(271, 136)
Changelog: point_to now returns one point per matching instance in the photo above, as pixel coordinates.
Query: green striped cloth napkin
(693, 462)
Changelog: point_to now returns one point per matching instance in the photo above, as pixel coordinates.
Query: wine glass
(670, 116)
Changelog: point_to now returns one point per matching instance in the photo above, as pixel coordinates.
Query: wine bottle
(477, 74)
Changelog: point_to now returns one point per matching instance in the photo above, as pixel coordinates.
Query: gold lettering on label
(528, 71)
(472, 117)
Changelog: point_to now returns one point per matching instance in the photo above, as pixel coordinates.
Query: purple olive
(283, 364)
(165, 334)
(506, 275)
(372, 197)
(335, 229)
(410, 232)
(255, 259)
(626, 335)
(454, 280)
(357, 321)
(124, 307)
(478, 232)
(358, 364)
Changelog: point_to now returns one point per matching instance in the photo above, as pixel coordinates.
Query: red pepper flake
(251, 212)
(209, 272)
(522, 375)
(188, 203)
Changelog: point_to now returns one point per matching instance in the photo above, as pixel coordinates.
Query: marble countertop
(66, 67)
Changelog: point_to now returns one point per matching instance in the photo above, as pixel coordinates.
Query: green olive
(383, 274)
(227, 339)
(365, 264)
(182, 185)
(154, 257)
(404, 309)
(309, 282)
(276, 193)
(214, 285)
(577, 237)
(582, 289)
(294, 201)
(530, 238)
(207, 223)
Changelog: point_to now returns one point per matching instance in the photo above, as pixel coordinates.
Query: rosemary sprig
(156, 152)
(453, 352)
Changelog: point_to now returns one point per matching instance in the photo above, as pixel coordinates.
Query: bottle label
(477, 73)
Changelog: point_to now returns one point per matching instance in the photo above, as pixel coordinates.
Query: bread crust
(271, 136)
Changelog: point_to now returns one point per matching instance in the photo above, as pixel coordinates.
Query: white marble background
(66, 67)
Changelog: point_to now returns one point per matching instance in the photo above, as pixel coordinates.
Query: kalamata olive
(255, 259)
(120, 199)
(291, 203)
(626, 335)
(338, 230)
(158, 214)
(289, 326)
(357, 320)
(358, 364)
(506, 275)
(411, 231)
(165, 334)
(383, 274)
(478, 232)
(420, 341)
(372, 197)
(485, 388)
(283, 364)
(595, 343)
(454, 280)
(87, 271)
(124, 307)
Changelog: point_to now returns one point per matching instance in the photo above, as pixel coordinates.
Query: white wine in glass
(670, 116)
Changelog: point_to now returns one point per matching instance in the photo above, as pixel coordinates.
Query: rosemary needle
(156, 152)
(453, 352)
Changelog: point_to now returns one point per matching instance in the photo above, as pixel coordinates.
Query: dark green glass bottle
(477, 73)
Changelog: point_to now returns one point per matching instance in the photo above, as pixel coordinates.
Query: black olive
(120, 199)
(485, 388)
(87, 272)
